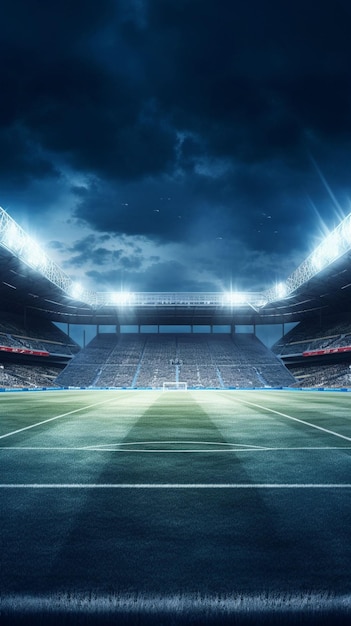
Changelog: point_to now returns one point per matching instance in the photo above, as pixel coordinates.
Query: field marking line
(170, 442)
(56, 417)
(175, 486)
(296, 419)
(111, 448)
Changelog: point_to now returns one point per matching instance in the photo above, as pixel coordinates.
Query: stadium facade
(35, 292)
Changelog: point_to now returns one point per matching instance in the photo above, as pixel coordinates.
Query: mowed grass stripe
(177, 418)
(20, 409)
(174, 418)
(56, 417)
(295, 419)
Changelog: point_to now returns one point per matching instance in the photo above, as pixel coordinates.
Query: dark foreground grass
(187, 609)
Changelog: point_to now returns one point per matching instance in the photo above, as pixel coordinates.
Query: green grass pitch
(133, 502)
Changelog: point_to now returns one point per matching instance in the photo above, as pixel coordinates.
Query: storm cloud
(186, 144)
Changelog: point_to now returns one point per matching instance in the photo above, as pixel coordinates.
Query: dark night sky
(158, 145)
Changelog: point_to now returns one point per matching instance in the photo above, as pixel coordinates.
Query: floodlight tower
(334, 246)
(14, 239)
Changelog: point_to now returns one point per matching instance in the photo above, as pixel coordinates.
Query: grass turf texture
(181, 495)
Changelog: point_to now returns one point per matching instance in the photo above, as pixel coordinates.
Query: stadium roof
(32, 284)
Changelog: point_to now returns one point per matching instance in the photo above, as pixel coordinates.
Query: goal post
(172, 386)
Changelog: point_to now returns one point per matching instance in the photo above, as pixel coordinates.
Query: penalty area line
(175, 486)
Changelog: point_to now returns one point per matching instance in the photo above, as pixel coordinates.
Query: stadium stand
(14, 376)
(315, 335)
(83, 370)
(34, 335)
(338, 375)
(19, 338)
(331, 338)
(200, 360)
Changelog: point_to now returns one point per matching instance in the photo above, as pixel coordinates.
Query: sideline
(175, 486)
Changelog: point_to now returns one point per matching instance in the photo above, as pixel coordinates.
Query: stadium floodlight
(34, 256)
(252, 299)
(76, 290)
(318, 261)
(327, 251)
(334, 246)
(121, 298)
(281, 290)
(346, 229)
(12, 237)
(236, 298)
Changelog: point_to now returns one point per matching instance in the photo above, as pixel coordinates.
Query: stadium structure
(210, 352)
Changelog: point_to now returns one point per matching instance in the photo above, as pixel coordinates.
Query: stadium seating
(34, 335)
(148, 360)
(17, 334)
(338, 375)
(200, 360)
(29, 376)
(314, 335)
(84, 369)
(318, 334)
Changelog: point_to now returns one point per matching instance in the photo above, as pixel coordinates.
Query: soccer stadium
(175, 469)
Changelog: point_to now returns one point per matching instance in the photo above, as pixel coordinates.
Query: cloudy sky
(158, 145)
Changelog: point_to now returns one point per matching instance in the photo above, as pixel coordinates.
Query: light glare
(235, 298)
(122, 297)
(12, 237)
(76, 290)
(34, 256)
(281, 290)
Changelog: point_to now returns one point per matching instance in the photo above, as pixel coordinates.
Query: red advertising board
(326, 351)
(24, 351)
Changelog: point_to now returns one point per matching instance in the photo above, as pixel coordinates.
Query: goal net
(175, 386)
